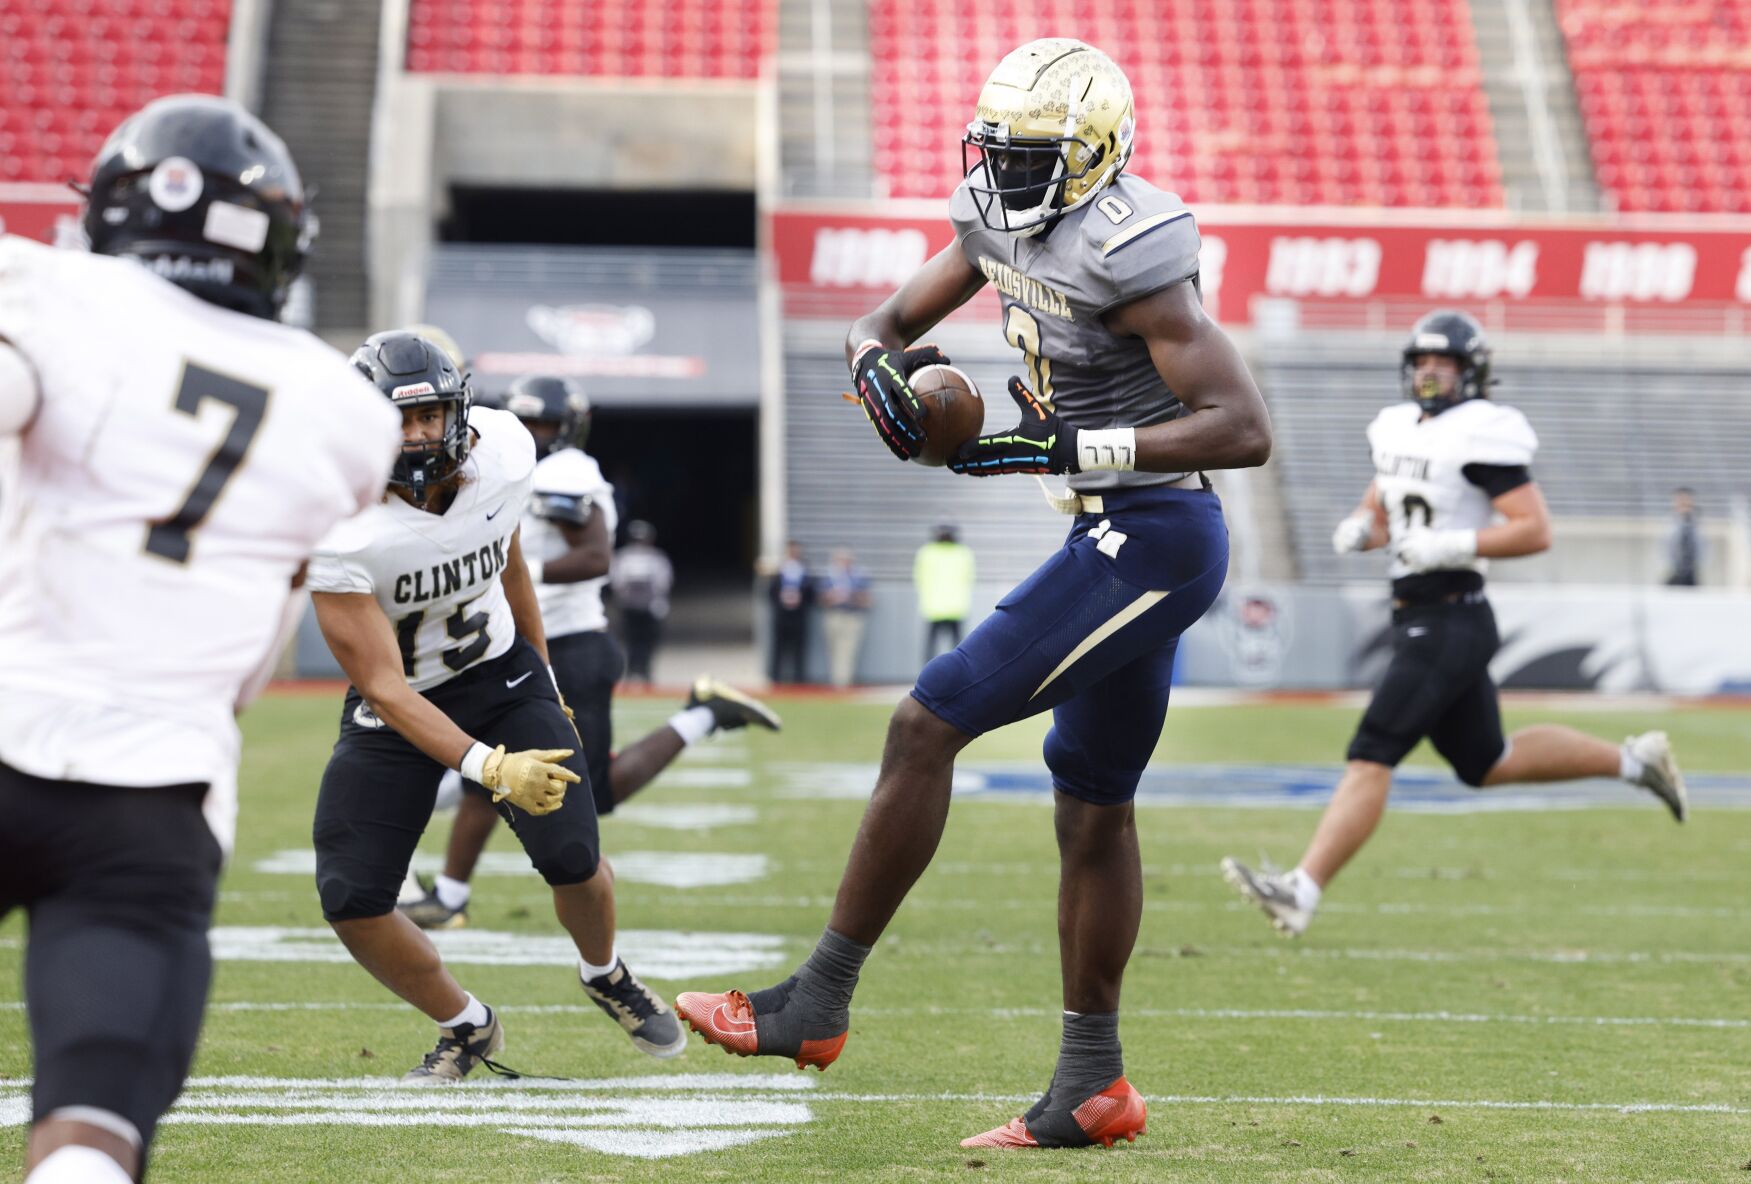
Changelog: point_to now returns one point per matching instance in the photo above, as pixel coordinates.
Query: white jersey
(569, 475)
(1419, 466)
(436, 576)
(183, 462)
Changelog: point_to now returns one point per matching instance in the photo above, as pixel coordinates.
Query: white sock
(693, 724)
(588, 972)
(476, 1013)
(452, 894)
(1307, 892)
(76, 1164)
(1628, 767)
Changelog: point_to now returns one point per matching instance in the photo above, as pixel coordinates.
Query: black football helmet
(412, 372)
(202, 192)
(542, 398)
(1453, 334)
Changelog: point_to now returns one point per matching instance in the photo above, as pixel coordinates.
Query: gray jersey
(1132, 240)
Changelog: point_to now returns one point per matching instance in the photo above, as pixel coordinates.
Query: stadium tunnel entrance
(648, 298)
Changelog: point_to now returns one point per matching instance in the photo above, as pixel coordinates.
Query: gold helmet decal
(1054, 126)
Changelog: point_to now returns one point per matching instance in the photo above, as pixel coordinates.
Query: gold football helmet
(1053, 128)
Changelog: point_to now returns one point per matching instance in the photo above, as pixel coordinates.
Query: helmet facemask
(1019, 184)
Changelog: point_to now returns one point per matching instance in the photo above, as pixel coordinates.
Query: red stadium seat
(1663, 85)
(634, 38)
(70, 70)
(1230, 97)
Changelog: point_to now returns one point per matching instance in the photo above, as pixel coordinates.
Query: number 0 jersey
(1420, 466)
(1131, 241)
(182, 462)
(436, 576)
(569, 486)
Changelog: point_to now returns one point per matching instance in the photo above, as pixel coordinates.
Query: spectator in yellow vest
(942, 572)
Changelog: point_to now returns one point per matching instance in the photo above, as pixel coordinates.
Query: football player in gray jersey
(1132, 391)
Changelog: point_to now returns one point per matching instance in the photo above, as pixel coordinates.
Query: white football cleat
(1273, 892)
(1660, 774)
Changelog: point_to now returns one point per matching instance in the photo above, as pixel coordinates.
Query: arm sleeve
(19, 395)
(1496, 480)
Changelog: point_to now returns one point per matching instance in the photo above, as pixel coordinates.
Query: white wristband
(535, 567)
(862, 346)
(473, 765)
(1106, 448)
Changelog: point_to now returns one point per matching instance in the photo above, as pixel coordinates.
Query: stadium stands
(1664, 86)
(1339, 102)
(595, 38)
(70, 70)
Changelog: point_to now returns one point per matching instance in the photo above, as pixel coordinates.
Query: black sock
(815, 1002)
(1089, 1057)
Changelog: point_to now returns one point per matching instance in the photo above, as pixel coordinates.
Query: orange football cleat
(1116, 1112)
(727, 1020)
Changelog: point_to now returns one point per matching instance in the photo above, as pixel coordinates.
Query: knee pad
(76, 1164)
(1103, 785)
(571, 862)
(344, 898)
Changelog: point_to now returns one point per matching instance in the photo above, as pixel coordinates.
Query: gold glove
(533, 780)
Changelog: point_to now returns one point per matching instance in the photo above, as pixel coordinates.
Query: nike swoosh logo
(511, 682)
(494, 514)
(721, 1020)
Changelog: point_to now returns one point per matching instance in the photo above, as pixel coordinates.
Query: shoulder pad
(1499, 435)
(1142, 238)
(504, 443)
(963, 212)
(1392, 417)
(569, 471)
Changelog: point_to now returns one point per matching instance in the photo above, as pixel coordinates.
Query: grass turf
(1458, 973)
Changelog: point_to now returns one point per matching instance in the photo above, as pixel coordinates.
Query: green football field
(1558, 992)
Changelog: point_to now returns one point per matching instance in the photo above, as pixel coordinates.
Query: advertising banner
(1329, 270)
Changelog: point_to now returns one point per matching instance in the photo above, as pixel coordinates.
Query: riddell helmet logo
(412, 389)
(175, 184)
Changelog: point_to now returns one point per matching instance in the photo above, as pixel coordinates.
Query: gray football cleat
(1273, 893)
(459, 1050)
(428, 912)
(1660, 774)
(640, 1011)
(731, 709)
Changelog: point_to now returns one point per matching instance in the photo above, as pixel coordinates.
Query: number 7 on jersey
(169, 538)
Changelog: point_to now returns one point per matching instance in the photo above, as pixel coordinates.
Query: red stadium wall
(1352, 272)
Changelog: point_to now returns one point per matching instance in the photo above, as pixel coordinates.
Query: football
(953, 411)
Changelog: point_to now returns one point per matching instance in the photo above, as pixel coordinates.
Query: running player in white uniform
(179, 454)
(428, 606)
(568, 539)
(1452, 489)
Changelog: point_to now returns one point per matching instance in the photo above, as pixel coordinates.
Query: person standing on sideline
(845, 600)
(1683, 541)
(792, 594)
(943, 574)
(641, 579)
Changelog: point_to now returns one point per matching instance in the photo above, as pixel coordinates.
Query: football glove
(1040, 443)
(1436, 550)
(532, 779)
(887, 398)
(1353, 534)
